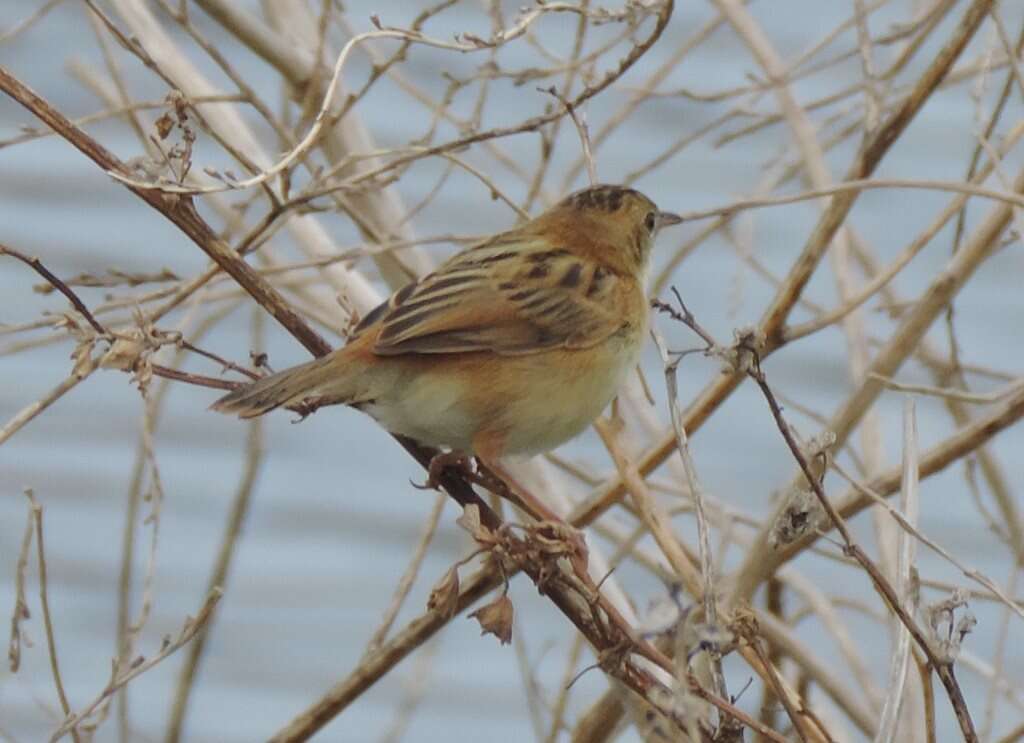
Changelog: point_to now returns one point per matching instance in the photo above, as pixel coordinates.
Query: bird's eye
(651, 221)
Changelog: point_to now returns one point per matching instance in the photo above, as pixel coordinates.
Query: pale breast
(568, 395)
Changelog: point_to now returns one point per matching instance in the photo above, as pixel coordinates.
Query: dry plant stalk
(267, 236)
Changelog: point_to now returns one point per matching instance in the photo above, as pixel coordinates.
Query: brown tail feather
(284, 388)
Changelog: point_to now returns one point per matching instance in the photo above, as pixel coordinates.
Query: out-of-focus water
(333, 519)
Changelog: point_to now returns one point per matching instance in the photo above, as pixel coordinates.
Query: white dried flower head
(801, 515)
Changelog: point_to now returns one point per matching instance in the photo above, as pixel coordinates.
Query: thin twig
(182, 212)
(219, 574)
(899, 664)
(39, 268)
(20, 611)
(750, 361)
(33, 409)
(855, 186)
(581, 130)
(710, 594)
(119, 680)
(975, 398)
(408, 577)
(44, 600)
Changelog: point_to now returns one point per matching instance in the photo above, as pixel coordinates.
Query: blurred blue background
(333, 520)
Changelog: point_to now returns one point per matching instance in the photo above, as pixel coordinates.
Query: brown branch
(749, 352)
(796, 716)
(871, 154)
(218, 577)
(20, 611)
(181, 211)
(159, 370)
(199, 380)
(120, 678)
(735, 524)
(581, 130)
(615, 636)
(59, 285)
(389, 654)
(33, 409)
(532, 124)
(44, 600)
(222, 361)
(968, 439)
(773, 321)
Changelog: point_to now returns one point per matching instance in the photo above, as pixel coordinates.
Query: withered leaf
(470, 521)
(164, 125)
(496, 618)
(444, 597)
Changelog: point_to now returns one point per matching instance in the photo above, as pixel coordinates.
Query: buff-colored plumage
(511, 346)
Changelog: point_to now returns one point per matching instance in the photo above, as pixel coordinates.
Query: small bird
(512, 346)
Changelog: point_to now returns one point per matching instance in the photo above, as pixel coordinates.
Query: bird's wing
(510, 296)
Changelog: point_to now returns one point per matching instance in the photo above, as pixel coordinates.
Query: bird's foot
(449, 460)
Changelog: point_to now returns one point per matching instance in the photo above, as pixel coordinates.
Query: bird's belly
(563, 406)
(428, 408)
(518, 404)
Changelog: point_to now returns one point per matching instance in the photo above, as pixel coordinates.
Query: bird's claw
(455, 460)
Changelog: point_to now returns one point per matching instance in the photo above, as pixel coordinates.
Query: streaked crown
(616, 223)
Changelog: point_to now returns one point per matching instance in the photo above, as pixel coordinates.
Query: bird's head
(615, 223)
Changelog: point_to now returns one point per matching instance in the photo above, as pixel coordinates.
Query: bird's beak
(666, 219)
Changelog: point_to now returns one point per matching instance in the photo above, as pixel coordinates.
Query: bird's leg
(499, 480)
(456, 460)
(489, 446)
